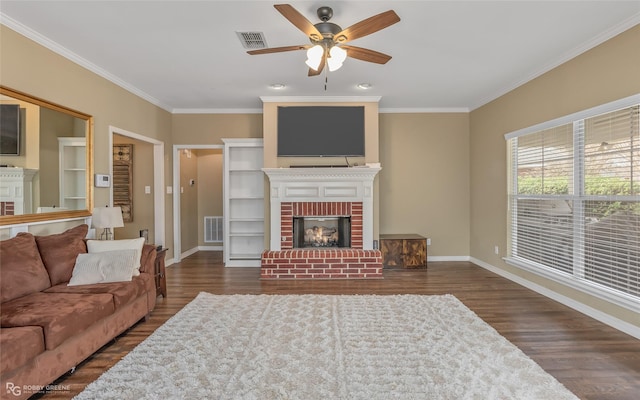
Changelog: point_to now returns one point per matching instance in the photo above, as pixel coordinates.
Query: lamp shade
(106, 217)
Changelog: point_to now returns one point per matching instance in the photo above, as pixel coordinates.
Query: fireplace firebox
(320, 232)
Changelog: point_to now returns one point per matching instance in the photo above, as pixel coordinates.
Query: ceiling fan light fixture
(338, 53)
(314, 57)
(336, 58)
(333, 64)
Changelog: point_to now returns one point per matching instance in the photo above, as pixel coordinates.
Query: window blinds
(574, 201)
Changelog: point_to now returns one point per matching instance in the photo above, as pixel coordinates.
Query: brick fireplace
(321, 193)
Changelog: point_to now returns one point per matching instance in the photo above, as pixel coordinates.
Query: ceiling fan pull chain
(326, 76)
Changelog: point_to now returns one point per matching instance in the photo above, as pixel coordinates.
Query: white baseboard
(448, 258)
(210, 248)
(188, 252)
(569, 302)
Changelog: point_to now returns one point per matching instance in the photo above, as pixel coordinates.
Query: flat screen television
(321, 131)
(9, 129)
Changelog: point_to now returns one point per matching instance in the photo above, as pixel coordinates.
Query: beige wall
(211, 128)
(33, 69)
(209, 185)
(143, 207)
(603, 74)
(424, 182)
(188, 201)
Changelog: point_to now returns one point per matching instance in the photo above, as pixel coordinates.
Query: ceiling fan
(328, 39)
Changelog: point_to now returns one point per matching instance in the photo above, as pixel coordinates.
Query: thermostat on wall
(102, 180)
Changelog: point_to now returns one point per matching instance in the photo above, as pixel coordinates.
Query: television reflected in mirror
(10, 129)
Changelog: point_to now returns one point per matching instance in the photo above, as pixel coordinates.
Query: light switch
(147, 189)
(169, 190)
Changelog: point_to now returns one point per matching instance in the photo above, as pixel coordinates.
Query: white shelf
(243, 202)
(73, 163)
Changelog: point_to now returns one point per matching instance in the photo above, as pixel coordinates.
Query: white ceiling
(447, 55)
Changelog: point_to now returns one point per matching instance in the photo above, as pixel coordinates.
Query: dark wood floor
(591, 359)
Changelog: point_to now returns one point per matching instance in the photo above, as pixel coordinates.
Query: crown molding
(68, 54)
(320, 99)
(217, 111)
(425, 110)
(573, 53)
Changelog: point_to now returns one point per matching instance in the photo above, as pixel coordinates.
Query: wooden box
(403, 251)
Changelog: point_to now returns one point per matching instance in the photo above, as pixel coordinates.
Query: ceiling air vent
(252, 40)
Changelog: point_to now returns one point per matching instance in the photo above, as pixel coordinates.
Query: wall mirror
(46, 161)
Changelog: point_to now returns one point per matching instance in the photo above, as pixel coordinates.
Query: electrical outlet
(428, 241)
(496, 250)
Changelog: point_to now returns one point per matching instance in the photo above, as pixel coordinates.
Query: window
(574, 200)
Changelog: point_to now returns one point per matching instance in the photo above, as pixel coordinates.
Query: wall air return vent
(252, 40)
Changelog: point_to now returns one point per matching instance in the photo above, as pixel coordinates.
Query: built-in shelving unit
(243, 202)
(73, 170)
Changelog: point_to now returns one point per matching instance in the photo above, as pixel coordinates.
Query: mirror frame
(58, 215)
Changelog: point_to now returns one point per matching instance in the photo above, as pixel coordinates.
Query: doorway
(155, 195)
(197, 196)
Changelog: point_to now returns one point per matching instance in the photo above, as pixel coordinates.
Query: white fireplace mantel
(16, 187)
(341, 184)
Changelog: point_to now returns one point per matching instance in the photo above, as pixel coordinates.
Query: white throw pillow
(107, 266)
(98, 246)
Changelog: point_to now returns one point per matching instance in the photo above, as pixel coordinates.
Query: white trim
(14, 229)
(448, 258)
(159, 230)
(188, 253)
(217, 111)
(566, 119)
(424, 110)
(601, 316)
(210, 248)
(571, 54)
(73, 57)
(571, 281)
(320, 99)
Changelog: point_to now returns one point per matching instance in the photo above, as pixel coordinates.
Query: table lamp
(106, 218)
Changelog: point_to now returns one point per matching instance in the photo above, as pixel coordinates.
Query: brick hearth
(291, 263)
(321, 264)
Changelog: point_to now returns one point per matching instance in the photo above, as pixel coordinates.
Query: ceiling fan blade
(313, 72)
(366, 54)
(367, 26)
(299, 20)
(278, 49)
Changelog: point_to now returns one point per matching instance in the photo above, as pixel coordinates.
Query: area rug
(325, 347)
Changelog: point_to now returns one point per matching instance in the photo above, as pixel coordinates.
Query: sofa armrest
(148, 259)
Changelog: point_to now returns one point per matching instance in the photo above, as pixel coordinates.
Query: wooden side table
(161, 279)
(403, 251)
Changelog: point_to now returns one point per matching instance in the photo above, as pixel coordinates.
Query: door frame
(158, 179)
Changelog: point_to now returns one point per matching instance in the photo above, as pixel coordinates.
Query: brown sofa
(47, 327)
